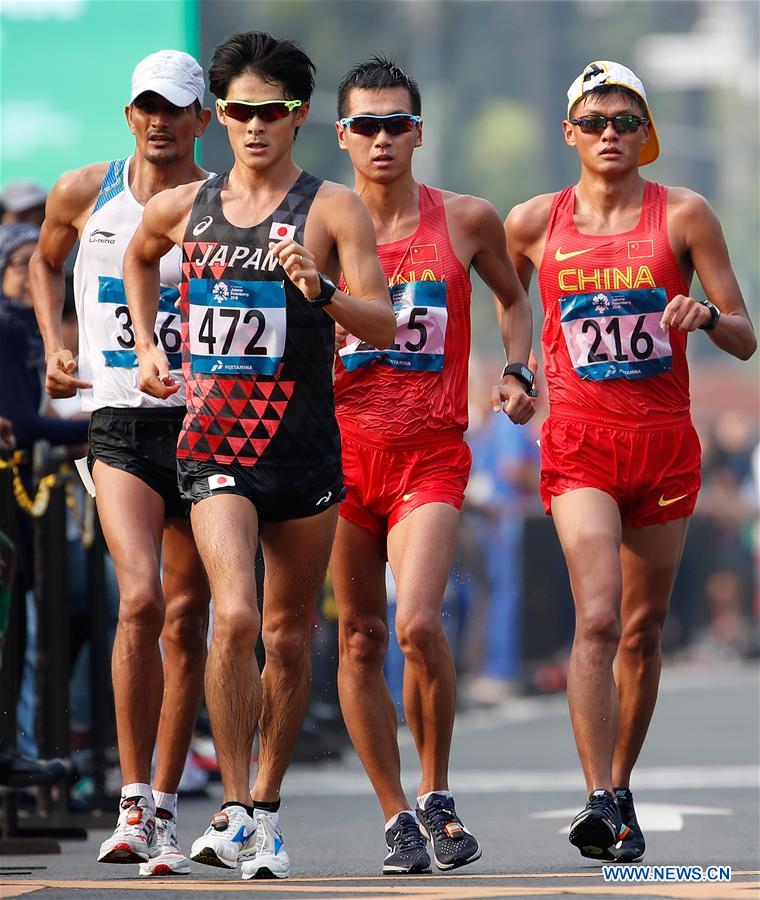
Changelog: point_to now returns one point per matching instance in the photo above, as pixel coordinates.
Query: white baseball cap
(603, 71)
(174, 75)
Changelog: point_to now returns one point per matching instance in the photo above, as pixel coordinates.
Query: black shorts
(143, 442)
(278, 493)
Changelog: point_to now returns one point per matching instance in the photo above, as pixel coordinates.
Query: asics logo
(204, 223)
(663, 502)
(560, 256)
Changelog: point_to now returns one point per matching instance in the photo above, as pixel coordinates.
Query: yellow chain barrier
(38, 506)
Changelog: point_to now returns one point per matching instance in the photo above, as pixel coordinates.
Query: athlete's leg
(226, 534)
(589, 528)
(183, 641)
(420, 551)
(132, 518)
(357, 567)
(296, 553)
(650, 558)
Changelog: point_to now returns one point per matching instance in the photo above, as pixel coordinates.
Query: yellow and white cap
(602, 71)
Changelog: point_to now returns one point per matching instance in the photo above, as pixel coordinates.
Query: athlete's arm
(365, 309)
(154, 238)
(479, 221)
(695, 228)
(526, 233)
(68, 206)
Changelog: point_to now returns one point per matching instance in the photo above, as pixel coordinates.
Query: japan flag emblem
(220, 481)
(281, 232)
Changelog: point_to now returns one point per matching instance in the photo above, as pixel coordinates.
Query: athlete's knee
(599, 626)
(186, 623)
(237, 625)
(142, 608)
(286, 639)
(642, 636)
(363, 642)
(419, 634)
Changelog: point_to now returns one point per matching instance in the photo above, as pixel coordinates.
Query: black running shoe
(406, 848)
(598, 827)
(631, 848)
(453, 844)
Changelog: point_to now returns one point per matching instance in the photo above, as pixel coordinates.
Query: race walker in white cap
(132, 446)
(620, 460)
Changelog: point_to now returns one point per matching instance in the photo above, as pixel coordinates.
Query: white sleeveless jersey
(107, 356)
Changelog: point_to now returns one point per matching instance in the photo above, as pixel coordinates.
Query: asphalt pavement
(517, 783)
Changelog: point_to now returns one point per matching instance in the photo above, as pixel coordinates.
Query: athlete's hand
(684, 314)
(510, 397)
(155, 377)
(300, 267)
(59, 382)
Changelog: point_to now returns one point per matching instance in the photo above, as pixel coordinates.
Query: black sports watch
(714, 315)
(326, 290)
(524, 374)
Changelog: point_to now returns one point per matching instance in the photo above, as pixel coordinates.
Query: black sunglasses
(394, 124)
(627, 123)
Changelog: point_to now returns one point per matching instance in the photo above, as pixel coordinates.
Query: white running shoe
(169, 859)
(133, 838)
(228, 837)
(270, 859)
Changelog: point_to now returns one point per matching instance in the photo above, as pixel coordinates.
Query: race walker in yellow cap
(620, 460)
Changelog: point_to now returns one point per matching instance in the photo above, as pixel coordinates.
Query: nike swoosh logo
(407, 497)
(663, 502)
(560, 256)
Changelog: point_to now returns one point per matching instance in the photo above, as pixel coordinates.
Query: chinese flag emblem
(640, 249)
(424, 253)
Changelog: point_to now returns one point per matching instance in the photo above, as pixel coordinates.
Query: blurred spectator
(21, 353)
(503, 481)
(23, 201)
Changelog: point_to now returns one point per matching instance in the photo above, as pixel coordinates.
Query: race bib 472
(236, 327)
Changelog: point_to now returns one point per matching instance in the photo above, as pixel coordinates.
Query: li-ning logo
(204, 223)
(601, 303)
(102, 237)
(220, 291)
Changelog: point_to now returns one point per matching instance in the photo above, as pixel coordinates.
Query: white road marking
(651, 816)
(320, 781)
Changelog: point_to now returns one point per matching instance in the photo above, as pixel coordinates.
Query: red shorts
(653, 473)
(383, 485)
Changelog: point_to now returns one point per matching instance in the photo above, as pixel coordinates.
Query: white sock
(166, 801)
(138, 790)
(421, 801)
(392, 821)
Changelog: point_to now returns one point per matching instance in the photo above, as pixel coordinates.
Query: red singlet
(602, 297)
(415, 393)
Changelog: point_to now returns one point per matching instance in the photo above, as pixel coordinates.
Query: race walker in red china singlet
(618, 383)
(402, 412)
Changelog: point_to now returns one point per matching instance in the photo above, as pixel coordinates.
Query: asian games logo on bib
(220, 291)
(601, 303)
